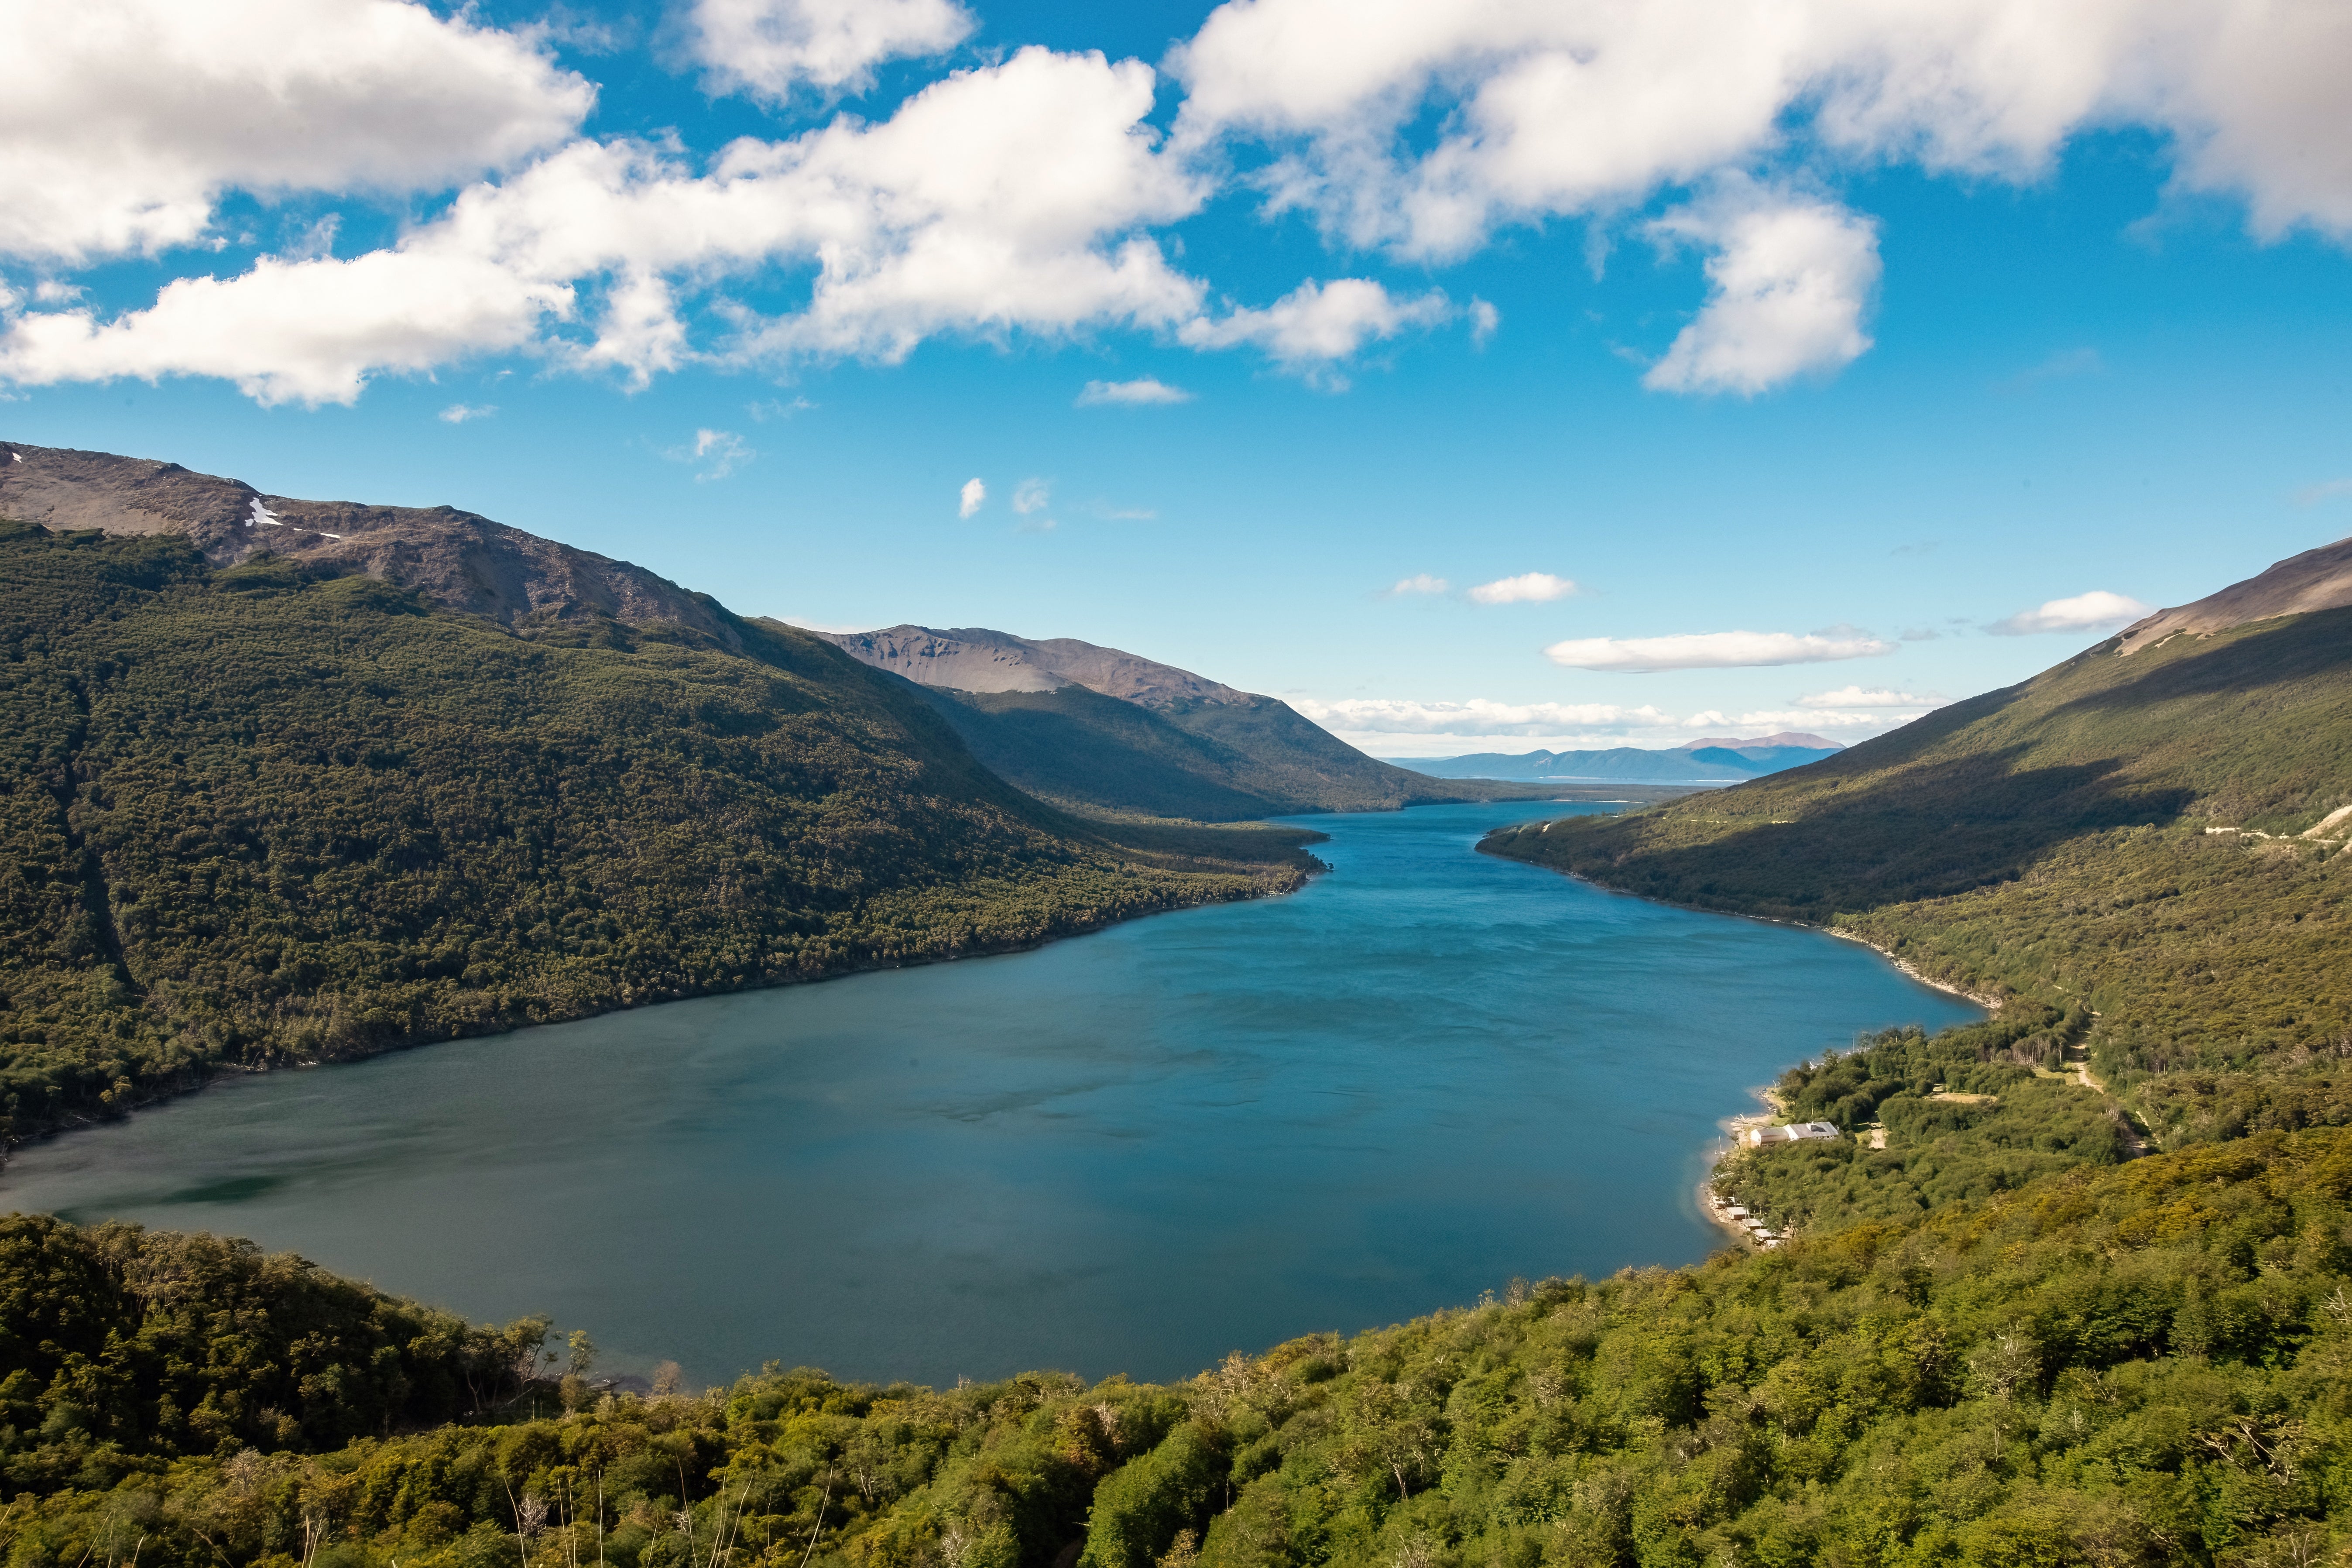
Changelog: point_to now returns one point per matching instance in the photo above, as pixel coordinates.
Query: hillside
(263, 807)
(1701, 762)
(1094, 729)
(2146, 839)
(2137, 1365)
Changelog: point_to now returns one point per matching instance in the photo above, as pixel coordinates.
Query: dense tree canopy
(2142, 1364)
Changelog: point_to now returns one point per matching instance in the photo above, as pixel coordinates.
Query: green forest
(2143, 1363)
(2121, 838)
(254, 817)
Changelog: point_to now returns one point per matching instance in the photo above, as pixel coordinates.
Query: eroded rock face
(459, 560)
(972, 658)
(2317, 579)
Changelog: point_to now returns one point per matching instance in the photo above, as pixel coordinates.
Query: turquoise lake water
(1131, 1152)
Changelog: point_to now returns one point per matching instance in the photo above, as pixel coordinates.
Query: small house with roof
(1794, 1132)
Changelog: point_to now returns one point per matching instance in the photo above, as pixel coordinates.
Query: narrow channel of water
(1132, 1151)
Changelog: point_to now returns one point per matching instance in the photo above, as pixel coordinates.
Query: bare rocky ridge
(457, 559)
(2317, 579)
(972, 659)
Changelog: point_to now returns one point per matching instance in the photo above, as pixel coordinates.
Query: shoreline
(1909, 969)
(195, 1079)
(1991, 1003)
(1715, 1206)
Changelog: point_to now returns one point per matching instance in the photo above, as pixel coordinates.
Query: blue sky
(1910, 353)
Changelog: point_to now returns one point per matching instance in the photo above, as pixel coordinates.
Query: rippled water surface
(1430, 1071)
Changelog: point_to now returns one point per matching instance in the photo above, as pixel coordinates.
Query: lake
(1427, 1073)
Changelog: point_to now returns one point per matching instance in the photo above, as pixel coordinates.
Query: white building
(1794, 1132)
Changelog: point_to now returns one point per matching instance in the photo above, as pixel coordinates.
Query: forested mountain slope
(2148, 1364)
(272, 812)
(1097, 729)
(2146, 840)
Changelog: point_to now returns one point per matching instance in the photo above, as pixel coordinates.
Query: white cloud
(1527, 588)
(1788, 285)
(1484, 319)
(1032, 495)
(1713, 650)
(1809, 719)
(123, 121)
(1871, 697)
(2328, 490)
(1316, 324)
(997, 199)
(1476, 717)
(1023, 196)
(777, 408)
(1580, 107)
(719, 453)
(1546, 109)
(459, 413)
(1419, 583)
(2083, 612)
(1132, 393)
(768, 47)
(310, 331)
(969, 499)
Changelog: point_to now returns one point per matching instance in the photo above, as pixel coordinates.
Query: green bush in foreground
(2144, 1363)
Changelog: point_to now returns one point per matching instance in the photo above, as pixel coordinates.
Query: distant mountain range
(1094, 729)
(1694, 762)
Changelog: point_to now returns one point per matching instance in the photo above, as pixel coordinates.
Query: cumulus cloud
(1588, 106)
(1141, 393)
(969, 499)
(1032, 495)
(459, 413)
(123, 121)
(1419, 583)
(1316, 324)
(1713, 650)
(1592, 108)
(768, 47)
(1788, 282)
(1527, 588)
(1476, 717)
(1866, 697)
(309, 331)
(1023, 196)
(1000, 198)
(2093, 610)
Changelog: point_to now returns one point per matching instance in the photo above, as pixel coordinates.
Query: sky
(1493, 375)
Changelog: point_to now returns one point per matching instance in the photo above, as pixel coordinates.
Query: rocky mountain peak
(459, 560)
